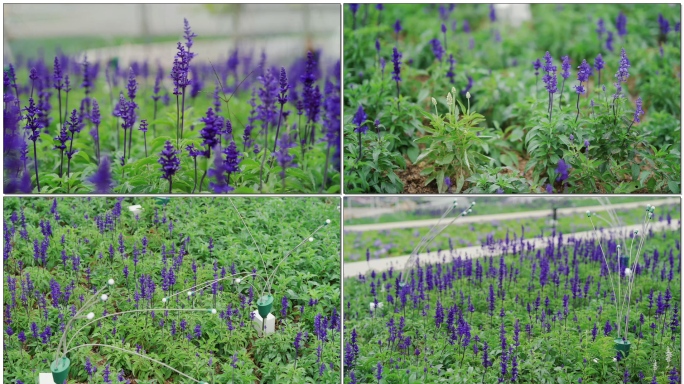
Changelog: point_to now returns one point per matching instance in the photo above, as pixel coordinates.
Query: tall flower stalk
(359, 120)
(396, 72)
(598, 66)
(33, 129)
(170, 163)
(565, 66)
(143, 129)
(74, 128)
(95, 118)
(550, 80)
(582, 76)
(282, 99)
(620, 77)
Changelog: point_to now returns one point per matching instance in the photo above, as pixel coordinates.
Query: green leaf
(413, 153)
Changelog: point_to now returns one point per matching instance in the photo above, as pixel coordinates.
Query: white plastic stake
(258, 324)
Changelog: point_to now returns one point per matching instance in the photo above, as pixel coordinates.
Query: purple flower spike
(562, 170)
(169, 161)
(359, 119)
(621, 24)
(639, 110)
(102, 178)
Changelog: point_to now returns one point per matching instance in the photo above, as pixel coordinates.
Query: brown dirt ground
(413, 181)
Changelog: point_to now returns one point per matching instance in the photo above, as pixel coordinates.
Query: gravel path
(475, 218)
(380, 265)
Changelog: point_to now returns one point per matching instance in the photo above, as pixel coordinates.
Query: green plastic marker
(622, 346)
(264, 305)
(60, 370)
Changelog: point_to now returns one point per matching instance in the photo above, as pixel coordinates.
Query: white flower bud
(104, 297)
(110, 281)
(467, 95)
(434, 101)
(327, 221)
(311, 239)
(90, 316)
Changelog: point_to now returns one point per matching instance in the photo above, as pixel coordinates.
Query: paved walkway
(380, 265)
(475, 218)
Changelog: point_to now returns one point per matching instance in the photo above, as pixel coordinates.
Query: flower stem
(325, 170)
(275, 143)
(263, 157)
(182, 119)
(35, 164)
(578, 97)
(194, 185)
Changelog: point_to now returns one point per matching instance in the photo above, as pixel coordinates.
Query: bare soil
(413, 181)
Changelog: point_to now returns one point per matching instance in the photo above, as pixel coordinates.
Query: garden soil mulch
(414, 183)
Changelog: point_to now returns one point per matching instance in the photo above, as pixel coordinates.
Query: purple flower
(536, 65)
(565, 66)
(57, 75)
(485, 356)
(639, 110)
(437, 49)
(210, 133)
(609, 41)
(283, 310)
(378, 371)
(284, 86)
(550, 78)
(450, 73)
(132, 85)
(188, 35)
(607, 328)
(105, 374)
(102, 178)
(282, 155)
(298, 341)
(311, 98)
(492, 13)
(600, 28)
(396, 60)
(598, 62)
(169, 161)
(562, 170)
(397, 27)
(621, 24)
(354, 8)
(673, 375)
(623, 71)
(549, 188)
(359, 120)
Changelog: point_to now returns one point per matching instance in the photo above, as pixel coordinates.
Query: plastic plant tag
(263, 328)
(45, 378)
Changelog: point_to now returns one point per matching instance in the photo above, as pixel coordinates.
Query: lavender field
(244, 123)
(597, 308)
(144, 290)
